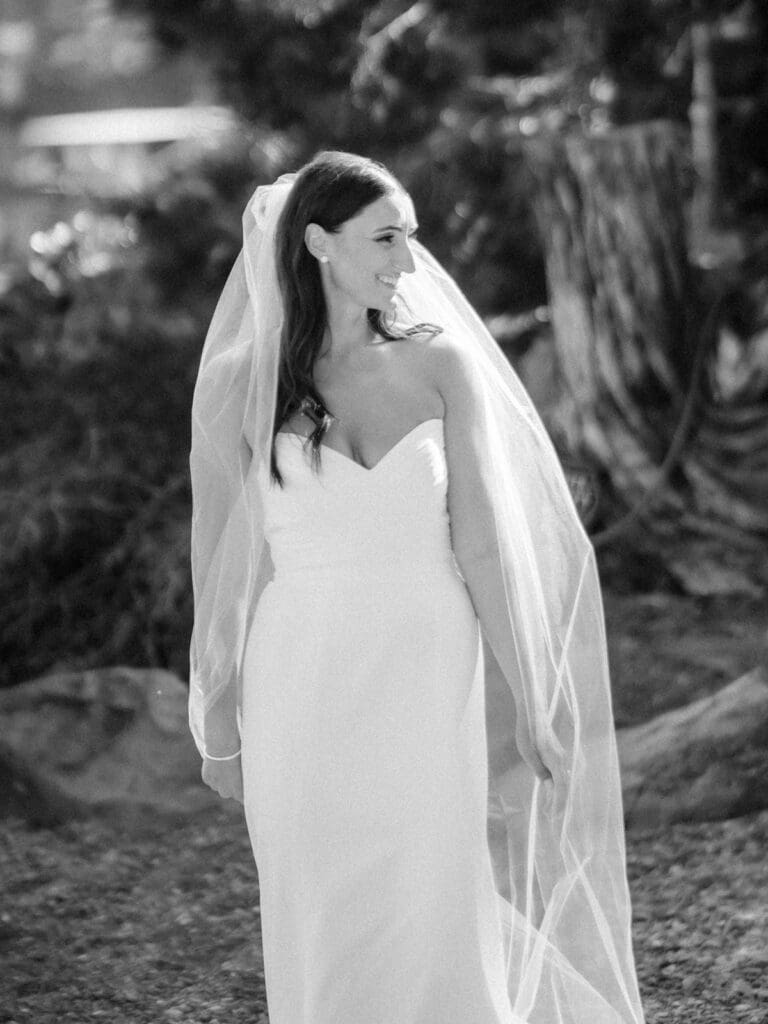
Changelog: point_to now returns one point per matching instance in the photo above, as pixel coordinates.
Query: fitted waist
(369, 566)
(380, 544)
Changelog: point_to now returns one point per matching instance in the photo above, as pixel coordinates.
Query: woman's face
(369, 252)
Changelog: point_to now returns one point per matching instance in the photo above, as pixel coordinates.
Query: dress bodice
(345, 515)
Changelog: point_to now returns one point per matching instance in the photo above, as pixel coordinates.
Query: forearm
(221, 734)
(494, 603)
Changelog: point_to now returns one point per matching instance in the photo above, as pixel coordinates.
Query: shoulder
(450, 365)
(437, 349)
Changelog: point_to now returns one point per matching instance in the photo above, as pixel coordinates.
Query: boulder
(112, 741)
(116, 741)
(705, 761)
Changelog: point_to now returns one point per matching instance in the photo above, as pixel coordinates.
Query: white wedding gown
(364, 750)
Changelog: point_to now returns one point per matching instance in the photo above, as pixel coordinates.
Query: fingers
(228, 793)
(538, 767)
(227, 784)
(535, 763)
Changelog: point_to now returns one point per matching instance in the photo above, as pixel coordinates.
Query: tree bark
(705, 761)
(631, 331)
(610, 214)
(703, 118)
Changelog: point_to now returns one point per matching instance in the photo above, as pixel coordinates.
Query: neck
(347, 329)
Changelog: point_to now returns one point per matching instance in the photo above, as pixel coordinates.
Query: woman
(398, 661)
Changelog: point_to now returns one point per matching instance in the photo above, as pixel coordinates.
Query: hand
(556, 789)
(546, 758)
(535, 761)
(224, 777)
(543, 754)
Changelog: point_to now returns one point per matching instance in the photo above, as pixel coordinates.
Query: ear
(316, 240)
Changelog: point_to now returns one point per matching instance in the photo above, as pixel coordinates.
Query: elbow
(473, 558)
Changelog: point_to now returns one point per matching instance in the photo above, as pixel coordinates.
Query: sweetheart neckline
(365, 469)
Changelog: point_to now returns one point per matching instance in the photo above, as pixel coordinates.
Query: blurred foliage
(99, 343)
(94, 498)
(90, 246)
(423, 85)
(189, 226)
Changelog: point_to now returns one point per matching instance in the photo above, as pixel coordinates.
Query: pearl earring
(323, 259)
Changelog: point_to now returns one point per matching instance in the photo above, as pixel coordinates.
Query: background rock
(112, 741)
(116, 741)
(703, 762)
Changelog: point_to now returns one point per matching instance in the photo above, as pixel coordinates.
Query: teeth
(387, 280)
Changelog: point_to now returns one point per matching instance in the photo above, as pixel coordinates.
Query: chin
(384, 305)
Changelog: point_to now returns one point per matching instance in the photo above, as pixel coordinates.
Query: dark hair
(328, 191)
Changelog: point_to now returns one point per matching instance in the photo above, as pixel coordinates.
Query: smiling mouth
(390, 282)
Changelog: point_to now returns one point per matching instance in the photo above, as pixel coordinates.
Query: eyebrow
(394, 227)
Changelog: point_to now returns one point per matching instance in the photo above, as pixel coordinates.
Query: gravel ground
(159, 923)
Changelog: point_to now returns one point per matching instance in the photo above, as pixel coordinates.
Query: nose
(405, 261)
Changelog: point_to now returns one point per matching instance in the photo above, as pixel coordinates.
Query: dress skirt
(364, 753)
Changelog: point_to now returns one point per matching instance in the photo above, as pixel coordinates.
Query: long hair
(328, 191)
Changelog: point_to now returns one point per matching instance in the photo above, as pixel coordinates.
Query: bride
(398, 659)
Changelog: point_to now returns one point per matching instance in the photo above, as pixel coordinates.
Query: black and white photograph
(383, 512)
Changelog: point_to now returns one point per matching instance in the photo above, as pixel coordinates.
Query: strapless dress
(364, 750)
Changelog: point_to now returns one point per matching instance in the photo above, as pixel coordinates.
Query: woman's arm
(219, 463)
(473, 527)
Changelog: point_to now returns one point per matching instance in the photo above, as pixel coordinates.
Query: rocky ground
(154, 921)
(160, 923)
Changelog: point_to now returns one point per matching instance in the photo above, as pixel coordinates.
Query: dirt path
(160, 924)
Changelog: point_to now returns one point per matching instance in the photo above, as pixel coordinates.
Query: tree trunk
(631, 334)
(611, 217)
(705, 761)
(703, 117)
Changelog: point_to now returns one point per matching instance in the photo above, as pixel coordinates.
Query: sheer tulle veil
(557, 846)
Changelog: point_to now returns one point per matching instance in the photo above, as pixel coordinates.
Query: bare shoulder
(449, 366)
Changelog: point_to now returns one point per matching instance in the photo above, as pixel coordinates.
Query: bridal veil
(557, 846)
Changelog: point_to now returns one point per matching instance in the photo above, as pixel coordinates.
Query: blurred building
(108, 152)
(88, 106)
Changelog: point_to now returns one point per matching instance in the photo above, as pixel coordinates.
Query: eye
(386, 238)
